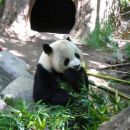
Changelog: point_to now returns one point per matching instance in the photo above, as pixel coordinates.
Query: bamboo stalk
(113, 90)
(109, 78)
(127, 73)
(116, 65)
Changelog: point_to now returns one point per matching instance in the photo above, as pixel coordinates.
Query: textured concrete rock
(20, 88)
(3, 105)
(121, 121)
(13, 65)
(5, 79)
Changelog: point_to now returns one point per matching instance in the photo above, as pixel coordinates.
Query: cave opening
(54, 16)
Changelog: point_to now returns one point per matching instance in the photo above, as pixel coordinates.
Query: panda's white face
(62, 55)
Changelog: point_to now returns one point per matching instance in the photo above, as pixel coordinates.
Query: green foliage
(127, 49)
(101, 37)
(86, 113)
(124, 3)
(95, 38)
(2, 1)
(18, 117)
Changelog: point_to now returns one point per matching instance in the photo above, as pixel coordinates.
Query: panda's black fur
(47, 84)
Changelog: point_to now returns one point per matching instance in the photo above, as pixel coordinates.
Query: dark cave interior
(54, 16)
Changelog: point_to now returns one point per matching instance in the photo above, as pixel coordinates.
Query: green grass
(2, 2)
(102, 37)
(124, 3)
(86, 113)
(127, 49)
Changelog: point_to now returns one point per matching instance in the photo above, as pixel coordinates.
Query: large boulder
(13, 65)
(20, 88)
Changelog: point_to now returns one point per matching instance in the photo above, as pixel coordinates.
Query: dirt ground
(30, 51)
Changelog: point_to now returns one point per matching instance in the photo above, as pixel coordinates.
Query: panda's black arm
(85, 78)
(76, 79)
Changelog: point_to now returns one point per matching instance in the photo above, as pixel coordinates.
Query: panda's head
(60, 56)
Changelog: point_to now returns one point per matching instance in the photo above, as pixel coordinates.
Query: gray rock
(121, 121)
(20, 88)
(5, 79)
(13, 65)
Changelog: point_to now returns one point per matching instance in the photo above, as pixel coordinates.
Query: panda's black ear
(68, 38)
(47, 49)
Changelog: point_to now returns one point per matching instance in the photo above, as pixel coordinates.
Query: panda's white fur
(45, 61)
(61, 49)
(59, 61)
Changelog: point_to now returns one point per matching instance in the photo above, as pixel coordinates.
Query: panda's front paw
(61, 98)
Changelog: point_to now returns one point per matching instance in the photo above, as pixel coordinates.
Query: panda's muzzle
(75, 64)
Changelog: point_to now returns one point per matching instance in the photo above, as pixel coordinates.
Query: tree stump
(81, 19)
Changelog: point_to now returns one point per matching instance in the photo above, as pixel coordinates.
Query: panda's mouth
(72, 70)
(77, 67)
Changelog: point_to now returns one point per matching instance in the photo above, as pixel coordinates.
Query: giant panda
(59, 61)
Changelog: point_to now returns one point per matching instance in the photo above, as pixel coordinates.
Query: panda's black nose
(76, 67)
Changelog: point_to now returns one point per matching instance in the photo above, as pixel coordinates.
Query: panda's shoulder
(41, 71)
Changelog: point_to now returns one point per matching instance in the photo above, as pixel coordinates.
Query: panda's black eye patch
(77, 55)
(66, 61)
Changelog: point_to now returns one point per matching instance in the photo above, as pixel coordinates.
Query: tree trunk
(90, 12)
